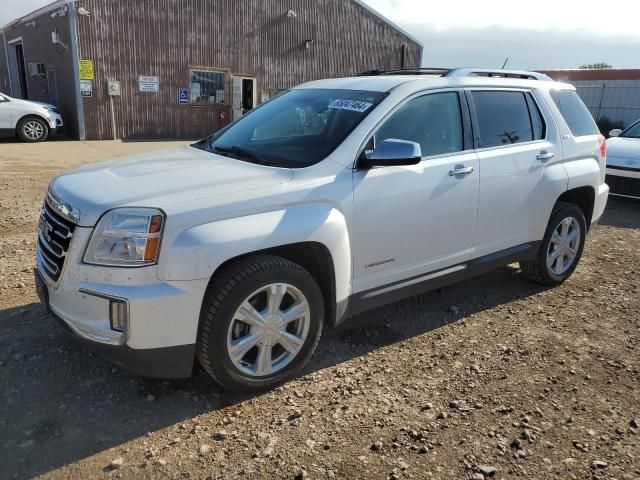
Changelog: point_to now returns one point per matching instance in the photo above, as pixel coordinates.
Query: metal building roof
(60, 3)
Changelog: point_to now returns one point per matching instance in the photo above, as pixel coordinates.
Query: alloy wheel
(268, 330)
(33, 130)
(564, 246)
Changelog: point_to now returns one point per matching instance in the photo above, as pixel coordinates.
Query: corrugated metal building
(185, 68)
(612, 95)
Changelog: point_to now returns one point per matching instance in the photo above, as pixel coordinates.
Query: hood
(31, 102)
(623, 152)
(158, 180)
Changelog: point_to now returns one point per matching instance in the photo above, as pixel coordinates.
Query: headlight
(126, 237)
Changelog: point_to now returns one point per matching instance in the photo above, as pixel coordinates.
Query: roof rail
(407, 71)
(488, 72)
(461, 72)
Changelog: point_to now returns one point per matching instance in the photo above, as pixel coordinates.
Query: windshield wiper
(245, 152)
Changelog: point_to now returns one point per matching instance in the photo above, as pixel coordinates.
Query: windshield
(297, 129)
(632, 132)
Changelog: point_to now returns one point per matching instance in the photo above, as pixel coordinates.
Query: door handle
(461, 171)
(545, 156)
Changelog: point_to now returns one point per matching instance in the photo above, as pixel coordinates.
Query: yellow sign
(86, 70)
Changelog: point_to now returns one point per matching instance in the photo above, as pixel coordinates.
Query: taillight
(603, 158)
(603, 146)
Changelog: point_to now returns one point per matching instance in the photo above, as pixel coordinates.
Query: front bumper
(624, 182)
(159, 337)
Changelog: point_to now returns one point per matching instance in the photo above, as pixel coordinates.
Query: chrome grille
(54, 238)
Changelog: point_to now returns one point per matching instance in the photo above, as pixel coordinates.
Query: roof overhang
(36, 13)
(372, 10)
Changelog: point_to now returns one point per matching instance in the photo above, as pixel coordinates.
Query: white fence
(615, 100)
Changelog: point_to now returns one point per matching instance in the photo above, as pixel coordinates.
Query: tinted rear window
(575, 113)
(503, 118)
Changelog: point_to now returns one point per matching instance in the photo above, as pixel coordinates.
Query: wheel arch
(314, 257)
(27, 116)
(584, 198)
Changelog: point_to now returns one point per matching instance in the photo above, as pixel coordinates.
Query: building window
(207, 87)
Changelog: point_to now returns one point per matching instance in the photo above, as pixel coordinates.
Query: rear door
(521, 173)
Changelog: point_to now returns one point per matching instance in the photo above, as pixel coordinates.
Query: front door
(5, 114)
(414, 223)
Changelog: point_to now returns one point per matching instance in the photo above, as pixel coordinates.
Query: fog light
(118, 315)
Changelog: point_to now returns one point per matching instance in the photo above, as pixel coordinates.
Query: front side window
(503, 118)
(434, 121)
(207, 87)
(575, 112)
(297, 129)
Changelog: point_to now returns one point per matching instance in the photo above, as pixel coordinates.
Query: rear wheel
(33, 129)
(561, 248)
(261, 324)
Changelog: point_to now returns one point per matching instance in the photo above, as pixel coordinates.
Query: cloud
(12, 9)
(526, 48)
(544, 15)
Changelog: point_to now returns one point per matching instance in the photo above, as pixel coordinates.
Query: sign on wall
(86, 70)
(183, 96)
(149, 84)
(86, 88)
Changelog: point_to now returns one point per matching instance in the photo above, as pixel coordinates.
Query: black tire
(537, 269)
(29, 127)
(228, 291)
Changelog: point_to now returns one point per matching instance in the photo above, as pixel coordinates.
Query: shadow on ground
(61, 403)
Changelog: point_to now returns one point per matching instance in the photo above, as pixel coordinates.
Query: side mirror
(393, 152)
(615, 132)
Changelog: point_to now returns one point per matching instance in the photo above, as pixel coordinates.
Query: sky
(483, 33)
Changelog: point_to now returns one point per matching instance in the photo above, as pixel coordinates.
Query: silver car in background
(623, 161)
(30, 121)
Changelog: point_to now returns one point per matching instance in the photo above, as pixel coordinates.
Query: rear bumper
(602, 196)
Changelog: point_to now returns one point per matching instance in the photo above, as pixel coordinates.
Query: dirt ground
(492, 378)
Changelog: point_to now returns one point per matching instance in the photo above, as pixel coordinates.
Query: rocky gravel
(493, 378)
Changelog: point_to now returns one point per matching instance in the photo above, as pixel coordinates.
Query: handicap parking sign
(183, 96)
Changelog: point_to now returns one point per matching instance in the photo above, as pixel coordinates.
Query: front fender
(197, 252)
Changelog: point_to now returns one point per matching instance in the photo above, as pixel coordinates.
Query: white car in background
(30, 121)
(623, 161)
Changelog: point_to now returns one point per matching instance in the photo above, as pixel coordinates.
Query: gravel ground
(491, 378)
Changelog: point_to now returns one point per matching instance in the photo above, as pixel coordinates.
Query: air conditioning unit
(36, 69)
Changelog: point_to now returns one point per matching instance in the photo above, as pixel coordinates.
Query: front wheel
(261, 324)
(561, 248)
(33, 129)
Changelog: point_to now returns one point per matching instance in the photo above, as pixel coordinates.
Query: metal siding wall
(248, 37)
(5, 86)
(38, 48)
(617, 100)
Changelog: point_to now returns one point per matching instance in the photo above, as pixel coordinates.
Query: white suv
(333, 198)
(31, 121)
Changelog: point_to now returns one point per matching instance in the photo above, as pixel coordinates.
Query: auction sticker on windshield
(352, 105)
